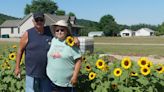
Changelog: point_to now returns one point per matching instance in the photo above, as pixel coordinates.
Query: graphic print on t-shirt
(57, 50)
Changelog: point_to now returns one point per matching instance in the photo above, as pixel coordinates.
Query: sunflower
(92, 75)
(105, 68)
(117, 72)
(126, 63)
(70, 41)
(150, 64)
(143, 61)
(88, 67)
(100, 63)
(114, 86)
(145, 70)
(160, 68)
(133, 74)
(14, 46)
(12, 56)
(83, 59)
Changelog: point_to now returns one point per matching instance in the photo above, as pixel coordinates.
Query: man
(35, 43)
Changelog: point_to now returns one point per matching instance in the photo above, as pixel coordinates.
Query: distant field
(139, 40)
(117, 47)
(137, 49)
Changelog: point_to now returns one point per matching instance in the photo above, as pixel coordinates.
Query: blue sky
(124, 11)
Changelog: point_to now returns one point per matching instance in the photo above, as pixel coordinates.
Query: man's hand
(77, 42)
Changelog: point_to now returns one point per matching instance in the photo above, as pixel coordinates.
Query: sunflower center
(159, 69)
(12, 56)
(145, 70)
(100, 63)
(143, 62)
(70, 41)
(118, 72)
(88, 67)
(92, 75)
(126, 63)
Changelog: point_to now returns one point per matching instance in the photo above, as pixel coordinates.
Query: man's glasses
(39, 19)
(62, 30)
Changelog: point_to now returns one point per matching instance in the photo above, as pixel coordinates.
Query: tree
(45, 6)
(71, 14)
(108, 25)
(60, 12)
(160, 29)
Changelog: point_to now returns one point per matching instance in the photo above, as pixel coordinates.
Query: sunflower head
(70, 41)
(92, 75)
(145, 70)
(12, 56)
(126, 63)
(14, 46)
(160, 68)
(150, 64)
(105, 68)
(83, 59)
(117, 72)
(143, 61)
(100, 63)
(88, 67)
(133, 74)
(114, 86)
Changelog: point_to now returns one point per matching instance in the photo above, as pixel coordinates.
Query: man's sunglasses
(62, 30)
(39, 19)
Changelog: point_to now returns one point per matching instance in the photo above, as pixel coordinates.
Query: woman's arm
(76, 71)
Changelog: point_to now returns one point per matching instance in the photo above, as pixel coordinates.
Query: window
(12, 30)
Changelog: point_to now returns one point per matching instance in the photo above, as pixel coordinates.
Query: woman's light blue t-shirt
(61, 61)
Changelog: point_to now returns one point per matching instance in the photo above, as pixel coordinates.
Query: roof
(147, 29)
(96, 32)
(49, 20)
(10, 23)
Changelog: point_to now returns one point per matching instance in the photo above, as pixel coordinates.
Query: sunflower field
(103, 74)
(9, 82)
(97, 74)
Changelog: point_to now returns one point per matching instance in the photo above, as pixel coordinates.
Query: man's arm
(22, 45)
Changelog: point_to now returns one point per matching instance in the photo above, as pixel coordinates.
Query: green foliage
(108, 25)
(45, 6)
(60, 12)
(88, 26)
(160, 29)
(71, 14)
(107, 81)
(8, 81)
(4, 17)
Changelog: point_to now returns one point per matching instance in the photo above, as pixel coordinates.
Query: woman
(64, 59)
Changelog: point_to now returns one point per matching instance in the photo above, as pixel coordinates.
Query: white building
(127, 33)
(15, 28)
(144, 32)
(95, 33)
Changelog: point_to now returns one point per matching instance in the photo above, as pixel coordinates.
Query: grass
(4, 45)
(130, 49)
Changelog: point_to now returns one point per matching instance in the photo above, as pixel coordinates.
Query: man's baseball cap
(38, 15)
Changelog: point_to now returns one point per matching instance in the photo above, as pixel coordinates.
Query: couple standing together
(51, 65)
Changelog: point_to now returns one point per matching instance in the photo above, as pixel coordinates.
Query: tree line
(107, 23)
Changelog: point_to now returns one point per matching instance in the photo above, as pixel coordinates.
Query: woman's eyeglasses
(62, 30)
(39, 19)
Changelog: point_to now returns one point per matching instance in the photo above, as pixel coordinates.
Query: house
(144, 32)
(95, 33)
(127, 33)
(15, 28)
